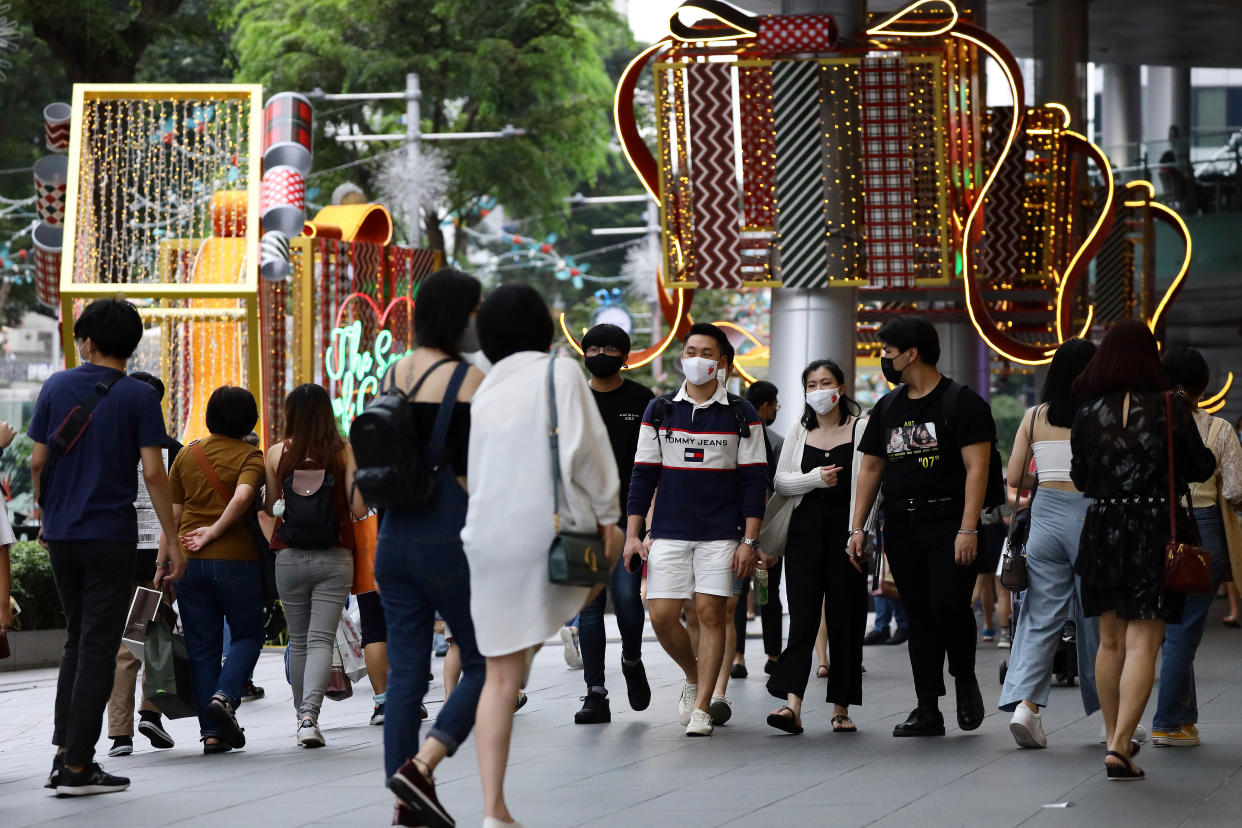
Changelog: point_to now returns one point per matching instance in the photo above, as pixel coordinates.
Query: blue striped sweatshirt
(706, 479)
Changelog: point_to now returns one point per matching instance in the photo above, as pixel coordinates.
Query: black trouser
(814, 574)
(95, 583)
(772, 614)
(936, 591)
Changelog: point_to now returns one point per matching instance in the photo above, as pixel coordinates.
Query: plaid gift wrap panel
(886, 172)
(713, 179)
(801, 223)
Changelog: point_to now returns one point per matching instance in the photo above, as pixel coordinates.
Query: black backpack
(309, 520)
(392, 468)
(994, 494)
(659, 413)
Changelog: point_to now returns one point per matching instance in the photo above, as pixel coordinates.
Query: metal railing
(1199, 174)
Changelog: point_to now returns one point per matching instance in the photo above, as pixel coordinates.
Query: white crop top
(1052, 461)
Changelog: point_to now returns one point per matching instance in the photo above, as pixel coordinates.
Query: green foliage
(34, 587)
(1007, 412)
(535, 64)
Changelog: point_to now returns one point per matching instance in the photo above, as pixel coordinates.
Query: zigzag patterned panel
(1002, 248)
(713, 181)
(1114, 273)
(758, 147)
(801, 220)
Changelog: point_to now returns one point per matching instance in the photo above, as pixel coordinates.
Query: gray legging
(313, 585)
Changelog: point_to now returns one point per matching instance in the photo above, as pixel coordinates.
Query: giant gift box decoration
(873, 164)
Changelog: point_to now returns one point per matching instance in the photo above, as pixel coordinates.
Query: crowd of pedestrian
(688, 495)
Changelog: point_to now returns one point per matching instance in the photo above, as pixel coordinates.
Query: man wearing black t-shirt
(621, 404)
(928, 441)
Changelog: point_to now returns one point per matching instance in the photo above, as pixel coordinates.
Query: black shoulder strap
(63, 441)
(435, 448)
(409, 395)
(659, 411)
(952, 397)
(739, 415)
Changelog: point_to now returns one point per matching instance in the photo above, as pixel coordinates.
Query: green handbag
(574, 558)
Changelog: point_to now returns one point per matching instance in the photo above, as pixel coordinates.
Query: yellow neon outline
(1065, 113)
(1181, 273)
(1219, 397)
(882, 28)
(971, 311)
(1215, 408)
(1142, 182)
(565, 330)
(1101, 161)
(684, 6)
(616, 115)
(672, 332)
(723, 324)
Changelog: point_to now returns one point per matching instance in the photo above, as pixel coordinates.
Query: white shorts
(680, 568)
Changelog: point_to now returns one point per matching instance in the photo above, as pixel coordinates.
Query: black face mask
(602, 365)
(890, 371)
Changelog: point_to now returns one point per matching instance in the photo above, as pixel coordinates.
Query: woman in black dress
(1120, 462)
(813, 484)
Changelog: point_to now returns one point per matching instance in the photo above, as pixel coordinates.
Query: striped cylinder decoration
(801, 219)
(274, 256)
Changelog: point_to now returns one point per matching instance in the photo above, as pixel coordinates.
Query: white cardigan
(791, 483)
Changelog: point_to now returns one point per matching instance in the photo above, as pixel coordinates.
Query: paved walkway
(642, 771)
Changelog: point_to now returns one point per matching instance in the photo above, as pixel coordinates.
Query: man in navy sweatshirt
(702, 456)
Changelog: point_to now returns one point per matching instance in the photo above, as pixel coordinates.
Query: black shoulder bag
(574, 558)
(71, 430)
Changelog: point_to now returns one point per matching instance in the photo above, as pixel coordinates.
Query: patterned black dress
(1124, 469)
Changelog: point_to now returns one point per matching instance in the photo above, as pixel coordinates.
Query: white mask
(823, 400)
(699, 370)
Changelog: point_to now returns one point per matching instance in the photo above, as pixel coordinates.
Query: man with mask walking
(621, 404)
(701, 454)
(929, 442)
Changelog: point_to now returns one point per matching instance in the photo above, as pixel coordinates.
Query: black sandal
(840, 719)
(788, 724)
(1122, 773)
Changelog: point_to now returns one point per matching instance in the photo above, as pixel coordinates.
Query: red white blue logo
(694, 455)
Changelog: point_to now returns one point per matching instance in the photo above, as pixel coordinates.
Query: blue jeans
(1177, 703)
(211, 593)
(421, 569)
(628, 604)
(1053, 594)
(886, 609)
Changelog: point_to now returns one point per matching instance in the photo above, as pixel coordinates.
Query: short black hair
(231, 411)
(151, 380)
(442, 309)
(113, 325)
(911, 331)
(708, 329)
(514, 318)
(1186, 367)
(606, 335)
(761, 392)
(1058, 392)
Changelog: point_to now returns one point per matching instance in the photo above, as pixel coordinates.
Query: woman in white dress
(510, 517)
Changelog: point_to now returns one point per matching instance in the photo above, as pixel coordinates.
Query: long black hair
(1058, 391)
(847, 407)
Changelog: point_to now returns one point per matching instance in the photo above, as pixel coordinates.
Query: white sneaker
(1028, 728)
(689, 695)
(308, 734)
(573, 656)
(1140, 734)
(1003, 640)
(700, 724)
(492, 822)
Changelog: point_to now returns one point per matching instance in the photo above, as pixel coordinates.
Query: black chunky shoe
(595, 709)
(969, 705)
(636, 685)
(922, 722)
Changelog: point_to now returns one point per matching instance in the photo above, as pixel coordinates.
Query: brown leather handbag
(1187, 566)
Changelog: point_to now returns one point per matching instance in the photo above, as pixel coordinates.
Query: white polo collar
(721, 396)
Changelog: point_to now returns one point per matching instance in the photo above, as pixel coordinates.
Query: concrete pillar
(1121, 116)
(809, 324)
(1060, 40)
(964, 357)
(1167, 105)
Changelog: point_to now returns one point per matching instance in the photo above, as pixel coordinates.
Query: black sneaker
(252, 692)
(220, 712)
(92, 780)
(121, 746)
(418, 793)
(53, 778)
(595, 709)
(738, 671)
(153, 728)
(377, 714)
(879, 636)
(900, 637)
(636, 685)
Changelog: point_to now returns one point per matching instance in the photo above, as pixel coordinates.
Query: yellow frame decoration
(164, 294)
